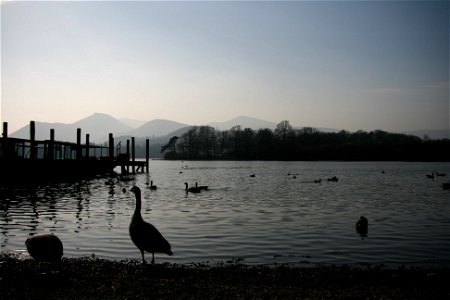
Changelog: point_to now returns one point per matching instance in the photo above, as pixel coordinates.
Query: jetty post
(5, 140)
(128, 155)
(111, 147)
(87, 145)
(32, 140)
(51, 145)
(78, 152)
(133, 154)
(147, 153)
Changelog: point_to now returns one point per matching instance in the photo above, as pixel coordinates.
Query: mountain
(156, 128)
(97, 125)
(63, 132)
(100, 125)
(245, 122)
(132, 123)
(433, 134)
(155, 142)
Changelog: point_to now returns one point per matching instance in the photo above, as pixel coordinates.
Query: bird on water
(152, 187)
(192, 189)
(362, 226)
(201, 187)
(45, 248)
(144, 235)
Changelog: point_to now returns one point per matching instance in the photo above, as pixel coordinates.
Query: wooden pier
(32, 159)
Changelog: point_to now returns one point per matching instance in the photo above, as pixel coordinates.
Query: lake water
(270, 218)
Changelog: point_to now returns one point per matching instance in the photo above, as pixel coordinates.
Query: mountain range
(99, 125)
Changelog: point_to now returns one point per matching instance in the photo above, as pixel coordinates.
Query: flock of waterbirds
(146, 237)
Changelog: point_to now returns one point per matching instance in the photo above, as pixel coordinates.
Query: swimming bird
(144, 235)
(362, 226)
(201, 187)
(192, 189)
(430, 176)
(334, 178)
(45, 248)
(252, 175)
(152, 187)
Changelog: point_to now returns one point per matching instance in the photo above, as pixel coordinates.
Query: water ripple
(269, 218)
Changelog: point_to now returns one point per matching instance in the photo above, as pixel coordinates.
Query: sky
(341, 64)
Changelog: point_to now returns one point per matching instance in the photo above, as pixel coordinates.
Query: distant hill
(63, 132)
(155, 142)
(100, 125)
(132, 123)
(245, 122)
(156, 128)
(97, 125)
(432, 134)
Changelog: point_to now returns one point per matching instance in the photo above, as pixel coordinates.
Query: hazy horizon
(345, 65)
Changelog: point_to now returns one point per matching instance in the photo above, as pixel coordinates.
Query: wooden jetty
(30, 159)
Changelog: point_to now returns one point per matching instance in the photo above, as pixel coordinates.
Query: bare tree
(283, 130)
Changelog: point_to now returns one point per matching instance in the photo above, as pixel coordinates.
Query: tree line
(286, 143)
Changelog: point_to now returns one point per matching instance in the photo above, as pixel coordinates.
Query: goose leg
(143, 259)
(153, 257)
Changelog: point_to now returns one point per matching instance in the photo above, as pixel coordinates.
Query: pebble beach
(93, 278)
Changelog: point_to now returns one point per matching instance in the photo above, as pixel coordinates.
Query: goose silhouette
(362, 226)
(430, 176)
(152, 187)
(144, 235)
(201, 187)
(192, 189)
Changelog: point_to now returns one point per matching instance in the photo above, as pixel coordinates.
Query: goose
(152, 187)
(362, 226)
(334, 178)
(192, 189)
(144, 235)
(45, 248)
(201, 187)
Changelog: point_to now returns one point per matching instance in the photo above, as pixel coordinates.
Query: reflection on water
(272, 217)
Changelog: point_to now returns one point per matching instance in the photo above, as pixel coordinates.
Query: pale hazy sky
(346, 65)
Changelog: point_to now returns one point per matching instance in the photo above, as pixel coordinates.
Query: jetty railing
(52, 151)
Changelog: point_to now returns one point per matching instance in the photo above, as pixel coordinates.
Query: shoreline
(94, 278)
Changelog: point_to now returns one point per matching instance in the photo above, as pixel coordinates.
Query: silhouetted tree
(170, 149)
(223, 141)
(206, 136)
(235, 136)
(247, 144)
(285, 143)
(283, 130)
(265, 145)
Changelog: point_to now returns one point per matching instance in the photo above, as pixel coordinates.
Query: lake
(270, 218)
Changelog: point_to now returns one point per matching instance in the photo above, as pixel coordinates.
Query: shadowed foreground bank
(83, 278)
